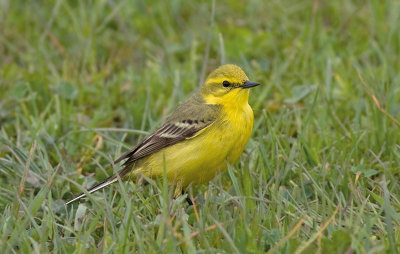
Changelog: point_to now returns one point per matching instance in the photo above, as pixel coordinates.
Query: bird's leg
(188, 200)
(179, 190)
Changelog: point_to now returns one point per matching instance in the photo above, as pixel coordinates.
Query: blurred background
(83, 81)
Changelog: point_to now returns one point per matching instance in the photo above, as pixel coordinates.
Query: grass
(83, 81)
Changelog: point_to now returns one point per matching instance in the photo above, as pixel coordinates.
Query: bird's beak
(248, 84)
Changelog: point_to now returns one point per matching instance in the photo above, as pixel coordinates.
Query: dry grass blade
(194, 234)
(318, 234)
(287, 237)
(376, 101)
(26, 171)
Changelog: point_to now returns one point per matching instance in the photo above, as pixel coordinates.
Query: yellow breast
(241, 124)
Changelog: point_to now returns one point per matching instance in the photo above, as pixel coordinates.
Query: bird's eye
(226, 83)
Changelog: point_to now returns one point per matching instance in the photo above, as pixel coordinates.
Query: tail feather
(110, 180)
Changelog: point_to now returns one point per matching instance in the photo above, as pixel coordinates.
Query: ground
(83, 81)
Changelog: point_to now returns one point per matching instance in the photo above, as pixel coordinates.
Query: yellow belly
(199, 159)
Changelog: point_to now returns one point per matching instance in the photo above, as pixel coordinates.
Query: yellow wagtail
(196, 141)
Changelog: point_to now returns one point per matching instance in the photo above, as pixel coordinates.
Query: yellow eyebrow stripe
(220, 80)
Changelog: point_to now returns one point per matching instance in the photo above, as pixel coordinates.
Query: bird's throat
(236, 98)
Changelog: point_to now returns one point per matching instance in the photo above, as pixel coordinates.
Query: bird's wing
(188, 120)
(168, 134)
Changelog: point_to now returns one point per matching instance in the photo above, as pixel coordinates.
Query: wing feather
(163, 137)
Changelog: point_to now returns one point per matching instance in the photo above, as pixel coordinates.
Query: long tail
(110, 180)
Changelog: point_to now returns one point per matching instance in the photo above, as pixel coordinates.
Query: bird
(198, 140)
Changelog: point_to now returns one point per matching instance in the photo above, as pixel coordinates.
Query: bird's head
(228, 85)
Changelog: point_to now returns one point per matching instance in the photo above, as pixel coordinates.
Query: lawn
(83, 81)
